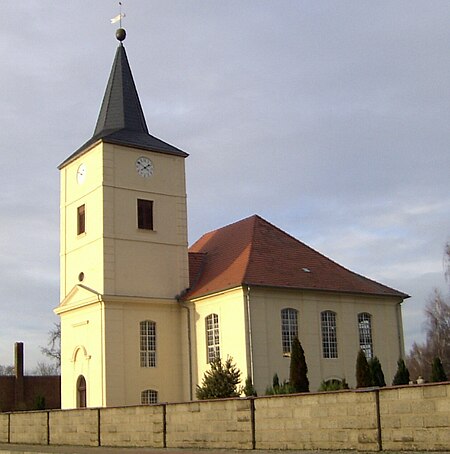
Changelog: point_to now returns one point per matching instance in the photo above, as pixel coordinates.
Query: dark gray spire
(121, 119)
(121, 108)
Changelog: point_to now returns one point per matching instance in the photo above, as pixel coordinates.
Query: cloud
(329, 119)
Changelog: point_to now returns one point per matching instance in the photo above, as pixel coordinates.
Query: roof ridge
(326, 257)
(254, 218)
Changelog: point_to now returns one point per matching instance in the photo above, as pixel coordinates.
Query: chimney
(18, 359)
(19, 385)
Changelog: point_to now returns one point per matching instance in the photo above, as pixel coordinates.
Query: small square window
(81, 220)
(145, 214)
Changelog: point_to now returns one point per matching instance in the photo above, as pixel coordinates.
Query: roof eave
(192, 296)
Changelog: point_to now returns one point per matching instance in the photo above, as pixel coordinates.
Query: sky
(329, 119)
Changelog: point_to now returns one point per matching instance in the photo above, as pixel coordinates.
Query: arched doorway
(81, 392)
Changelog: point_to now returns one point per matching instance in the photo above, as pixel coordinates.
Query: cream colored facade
(250, 330)
(115, 275)
(130, 275)
(120, 282)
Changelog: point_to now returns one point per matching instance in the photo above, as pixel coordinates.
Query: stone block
(430, 391)
(437, 420)
(3, 428)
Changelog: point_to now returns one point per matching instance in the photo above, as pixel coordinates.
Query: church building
(143, 315)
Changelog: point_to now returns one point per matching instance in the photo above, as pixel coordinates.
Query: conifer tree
(363, 377)
(298, 374)
(275, 381)
(249, 389)
(220, 381)
(402, 375)
(376, 372)
(437, 371)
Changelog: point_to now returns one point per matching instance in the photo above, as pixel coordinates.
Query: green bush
(220, 381)
(402, 375)
(298, 372)
(333, 385)
(363, 377)
(376, 372)
(249, 389)
(437, 371)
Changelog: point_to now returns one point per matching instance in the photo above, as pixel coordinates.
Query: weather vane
(119, 17)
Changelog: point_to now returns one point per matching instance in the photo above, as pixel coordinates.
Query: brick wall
(7, 393)
(394, 419)
(48, 387)
(21, 392)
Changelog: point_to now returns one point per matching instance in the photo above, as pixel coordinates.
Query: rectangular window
(365, 334)
(148, 343)
(145, 214)
(149, 396)
(81, 220)
(289, 329)
(329, 337)
(212, 337)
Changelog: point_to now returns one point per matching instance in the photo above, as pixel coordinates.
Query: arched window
(212, 337)
(81, 392)
(329, 337)
(289, 329)
(149, 396)
(365, 334)
(148, 343)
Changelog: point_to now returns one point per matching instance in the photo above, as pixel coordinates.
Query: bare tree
(7, 370)
(437, 344)
(447, 261)
(46, 369)
(53, 349)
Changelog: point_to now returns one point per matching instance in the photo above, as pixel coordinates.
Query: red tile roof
(254, 252)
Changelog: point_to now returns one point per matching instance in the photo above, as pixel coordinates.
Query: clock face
(144, 167)
(81, 173)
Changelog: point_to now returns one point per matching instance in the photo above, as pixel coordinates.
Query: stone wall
(4, 428)
(132, 426)
(335, 420)
(29, 427)
(210, 424)
(415, 417)
(74, 427)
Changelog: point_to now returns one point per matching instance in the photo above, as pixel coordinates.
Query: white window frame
(329, 334)
(212, 337)
(365, 334)
(149, 396)
(147, 339)
(289, 329)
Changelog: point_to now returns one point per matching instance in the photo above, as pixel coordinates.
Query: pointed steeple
(121, 119)
(121, 108)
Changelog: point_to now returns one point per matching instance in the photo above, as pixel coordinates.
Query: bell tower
(123, 258)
